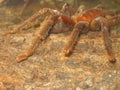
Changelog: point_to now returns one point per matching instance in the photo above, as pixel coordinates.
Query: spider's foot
(113, 60)
(4, 33)
(9, 32)
(22, 57)
(63, 57)
(67, 53)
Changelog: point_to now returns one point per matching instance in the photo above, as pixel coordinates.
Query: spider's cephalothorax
(92, 19)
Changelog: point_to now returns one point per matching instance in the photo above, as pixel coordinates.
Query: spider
(86, 20)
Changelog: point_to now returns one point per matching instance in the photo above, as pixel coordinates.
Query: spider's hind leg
(115, 20)
(104, 25)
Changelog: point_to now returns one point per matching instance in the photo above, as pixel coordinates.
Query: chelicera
(91, 19)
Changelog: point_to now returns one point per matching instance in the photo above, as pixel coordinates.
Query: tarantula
(88, 20)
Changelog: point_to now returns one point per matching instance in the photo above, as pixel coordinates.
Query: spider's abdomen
(88, 15)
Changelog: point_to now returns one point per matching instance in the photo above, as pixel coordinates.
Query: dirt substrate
(87, 68)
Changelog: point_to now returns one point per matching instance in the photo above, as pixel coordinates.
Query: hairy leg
(78, 28)
(104, 25)
(114, 21)
(31, 19)
(40, 35)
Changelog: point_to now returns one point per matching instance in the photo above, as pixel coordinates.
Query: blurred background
(15, 11)
(25, 6)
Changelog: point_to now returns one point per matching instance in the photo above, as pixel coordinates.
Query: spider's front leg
(40, 35)
(78, 28)
(31, 19)
(104, 25)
